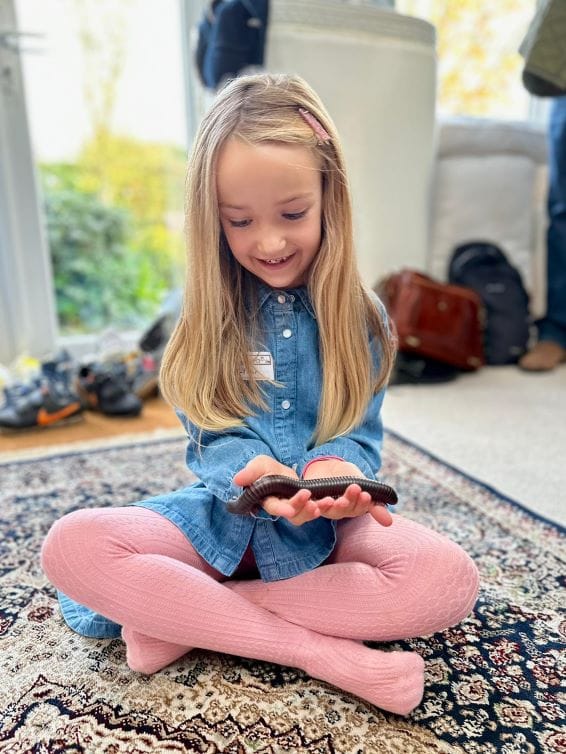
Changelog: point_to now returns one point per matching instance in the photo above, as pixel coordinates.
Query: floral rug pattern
(493, 683)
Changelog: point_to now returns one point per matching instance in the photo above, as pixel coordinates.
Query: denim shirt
(284, 432)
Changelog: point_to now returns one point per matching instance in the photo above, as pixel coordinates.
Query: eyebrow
(283, 201)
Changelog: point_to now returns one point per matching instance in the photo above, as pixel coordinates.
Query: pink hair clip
(319, 131)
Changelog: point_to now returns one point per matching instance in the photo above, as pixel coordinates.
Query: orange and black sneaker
(47, 400)
(47, 404)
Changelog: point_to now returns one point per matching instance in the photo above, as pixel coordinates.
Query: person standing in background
(544, 75)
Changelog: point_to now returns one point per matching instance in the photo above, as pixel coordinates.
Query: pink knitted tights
(137, 568)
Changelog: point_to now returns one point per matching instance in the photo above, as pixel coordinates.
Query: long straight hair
(208, 355)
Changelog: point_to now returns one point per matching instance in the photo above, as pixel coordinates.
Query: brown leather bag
(434, 319)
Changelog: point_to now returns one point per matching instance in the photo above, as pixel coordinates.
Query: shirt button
(285, 404)
(287, 333)
(281, 299)
(291, 297)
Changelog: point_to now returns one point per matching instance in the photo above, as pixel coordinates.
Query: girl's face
(270, 203)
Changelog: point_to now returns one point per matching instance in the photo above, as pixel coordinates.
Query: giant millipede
(283, 486)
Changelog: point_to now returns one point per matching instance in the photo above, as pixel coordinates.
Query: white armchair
(490, 183)
(375, 71)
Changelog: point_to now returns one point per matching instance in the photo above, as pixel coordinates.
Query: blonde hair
(201, 368)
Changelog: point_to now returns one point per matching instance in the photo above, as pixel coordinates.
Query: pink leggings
(135, 567)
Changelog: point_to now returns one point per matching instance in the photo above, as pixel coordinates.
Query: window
(479, 67)
(106, 109)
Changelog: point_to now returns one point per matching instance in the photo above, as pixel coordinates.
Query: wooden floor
(156, 415)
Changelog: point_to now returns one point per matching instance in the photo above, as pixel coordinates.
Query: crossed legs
(135, 567)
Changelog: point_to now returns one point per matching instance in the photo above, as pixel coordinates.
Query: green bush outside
(114, 227)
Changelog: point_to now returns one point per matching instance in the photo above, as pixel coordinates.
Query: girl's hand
(298, 509)
(353, 502)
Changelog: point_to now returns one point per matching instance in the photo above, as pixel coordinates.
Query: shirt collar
(264, 292)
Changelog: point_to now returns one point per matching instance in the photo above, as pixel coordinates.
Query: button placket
(286, 365)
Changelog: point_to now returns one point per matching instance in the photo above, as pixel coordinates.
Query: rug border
(82, 446)
(125, 441)
(493, 490)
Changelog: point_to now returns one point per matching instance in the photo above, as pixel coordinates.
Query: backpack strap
(254, 20)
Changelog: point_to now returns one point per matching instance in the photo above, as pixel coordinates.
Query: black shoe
(413, 369)
(47, 401)
(107, 388)
(145, 377)
(14, 393)
(154, 339)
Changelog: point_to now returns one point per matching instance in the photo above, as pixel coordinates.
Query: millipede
(283, 486)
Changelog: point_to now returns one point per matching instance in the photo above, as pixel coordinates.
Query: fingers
(258, 467)
(253, 470)
(245, 476)
(382, 515)
(297, 510)
(354, 503)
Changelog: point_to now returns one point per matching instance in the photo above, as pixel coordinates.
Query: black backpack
(484, 267)
(231, 36)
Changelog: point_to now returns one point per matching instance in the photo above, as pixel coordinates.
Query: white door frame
(28, 322)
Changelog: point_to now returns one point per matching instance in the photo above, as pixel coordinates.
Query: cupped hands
(301, 508)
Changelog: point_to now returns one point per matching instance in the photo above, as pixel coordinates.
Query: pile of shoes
(47, 399)
(58, 390)
(106, 387)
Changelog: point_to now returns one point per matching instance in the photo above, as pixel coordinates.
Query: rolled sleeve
(361, 447)
(215, 457)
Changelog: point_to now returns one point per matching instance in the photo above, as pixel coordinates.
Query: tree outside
(479, 67)
(114, 208)
(115, 244)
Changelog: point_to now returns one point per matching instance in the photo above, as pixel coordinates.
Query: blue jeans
(553, 325)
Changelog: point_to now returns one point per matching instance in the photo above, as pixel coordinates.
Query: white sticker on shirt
(263, 364)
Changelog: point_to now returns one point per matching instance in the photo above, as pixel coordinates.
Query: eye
(239, 223)
(295, 215)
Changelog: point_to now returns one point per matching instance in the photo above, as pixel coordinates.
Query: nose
(270, 241)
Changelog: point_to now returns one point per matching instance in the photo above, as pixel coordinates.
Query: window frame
(28, 320)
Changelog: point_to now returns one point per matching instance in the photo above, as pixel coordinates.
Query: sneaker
(145, 376)
(155, 338)
(147, 361)
(15, 392)
(106, 387)
(47, 402)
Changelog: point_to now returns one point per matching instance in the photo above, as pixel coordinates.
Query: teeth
(276, 261)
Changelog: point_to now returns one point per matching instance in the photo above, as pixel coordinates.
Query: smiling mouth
(277, 261)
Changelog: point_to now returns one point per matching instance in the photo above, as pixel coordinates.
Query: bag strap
(255, 20)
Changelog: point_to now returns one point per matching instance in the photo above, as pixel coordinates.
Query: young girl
(277, 366)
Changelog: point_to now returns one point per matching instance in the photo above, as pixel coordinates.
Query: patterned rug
(492, 686)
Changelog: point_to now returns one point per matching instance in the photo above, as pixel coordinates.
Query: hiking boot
(543, 357)
(107, 388)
